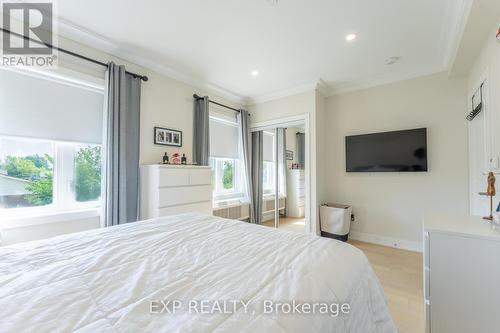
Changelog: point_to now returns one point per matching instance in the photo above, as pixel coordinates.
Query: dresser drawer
(201, 207)
(184, 195)
(173, 177)
(200, 176)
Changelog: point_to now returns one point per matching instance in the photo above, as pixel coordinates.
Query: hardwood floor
(400, 273)
(289, 223)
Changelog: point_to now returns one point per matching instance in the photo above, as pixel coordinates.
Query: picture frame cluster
(167, 137)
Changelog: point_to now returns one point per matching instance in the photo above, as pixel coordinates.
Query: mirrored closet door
(282, 165)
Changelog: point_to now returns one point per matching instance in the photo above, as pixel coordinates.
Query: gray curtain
(282, 159)
(257, 190)
(201, 137)
(301, 152)
(121, 142)
(246, 155)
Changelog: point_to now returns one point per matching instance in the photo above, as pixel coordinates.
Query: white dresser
(175, 189)
(295, 187)
(461, 275)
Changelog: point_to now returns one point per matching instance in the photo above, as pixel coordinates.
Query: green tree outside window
(88, 174)
(227, 175)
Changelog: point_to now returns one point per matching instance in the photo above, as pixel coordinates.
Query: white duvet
(112, 280)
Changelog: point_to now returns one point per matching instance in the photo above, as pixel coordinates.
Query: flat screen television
(396, 151)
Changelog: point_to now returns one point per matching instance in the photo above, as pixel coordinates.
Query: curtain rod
(219, 104)
(5, 31)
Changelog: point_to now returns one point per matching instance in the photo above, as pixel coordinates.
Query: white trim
(387, 241)
(49, 217)
(328, 90)
(299, 89)
(99, 42)
(290, 121)
(383, 80)
(453, 33)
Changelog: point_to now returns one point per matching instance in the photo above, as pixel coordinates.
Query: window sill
(49, 217)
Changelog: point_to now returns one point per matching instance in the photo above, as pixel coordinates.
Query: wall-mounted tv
(396, 151)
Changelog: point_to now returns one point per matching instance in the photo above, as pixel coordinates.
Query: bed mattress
(189, 273)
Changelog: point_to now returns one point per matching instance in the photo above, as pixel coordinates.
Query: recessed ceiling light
(350, 37)
(255, 73)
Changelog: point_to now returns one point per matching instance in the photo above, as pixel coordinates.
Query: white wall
(487, 65)
(389, 206)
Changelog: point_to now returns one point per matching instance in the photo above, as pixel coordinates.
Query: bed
(118, 279)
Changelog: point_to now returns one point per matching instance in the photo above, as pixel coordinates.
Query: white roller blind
(268, 147)
(223, 139)
(32, 106)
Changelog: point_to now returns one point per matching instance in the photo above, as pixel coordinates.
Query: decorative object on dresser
(461, 275)
(176, 158)
(175, 189)
(295, 203)
(165, 158)
(490, 192)
(167, 137)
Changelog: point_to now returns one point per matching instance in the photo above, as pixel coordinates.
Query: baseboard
(386, 241)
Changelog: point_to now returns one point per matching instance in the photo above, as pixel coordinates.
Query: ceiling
(293, 44)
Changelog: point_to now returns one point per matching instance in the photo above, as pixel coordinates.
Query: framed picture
(289, 155)
(167, 137)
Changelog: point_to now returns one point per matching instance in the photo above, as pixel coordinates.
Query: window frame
(218, 192)
(63, 196)
(269, 167)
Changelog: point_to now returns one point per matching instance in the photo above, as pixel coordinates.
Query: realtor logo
(34, 21)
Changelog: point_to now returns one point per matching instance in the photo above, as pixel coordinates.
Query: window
(225, 161)
(50, 175)
(268, 169)
(225, 183)
(50, 142)
(268, 175)
(26, 173)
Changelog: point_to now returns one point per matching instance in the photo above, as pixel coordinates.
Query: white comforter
(108, 280)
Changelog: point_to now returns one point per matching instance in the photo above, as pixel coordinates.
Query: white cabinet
(175, 189)
(295, 205)
(461, 275)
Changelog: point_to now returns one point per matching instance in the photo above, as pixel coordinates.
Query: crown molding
(323, 88)
(452, 31)
(103, 44)
(310, 86)
(339, 89)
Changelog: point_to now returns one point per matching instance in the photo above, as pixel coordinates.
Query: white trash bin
(335, 221)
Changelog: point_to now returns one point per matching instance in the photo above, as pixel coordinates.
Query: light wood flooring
(400, 273)
(289, 223)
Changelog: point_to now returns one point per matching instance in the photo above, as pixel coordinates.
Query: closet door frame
(290, 122)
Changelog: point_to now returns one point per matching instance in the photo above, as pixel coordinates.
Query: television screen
(387, 152)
